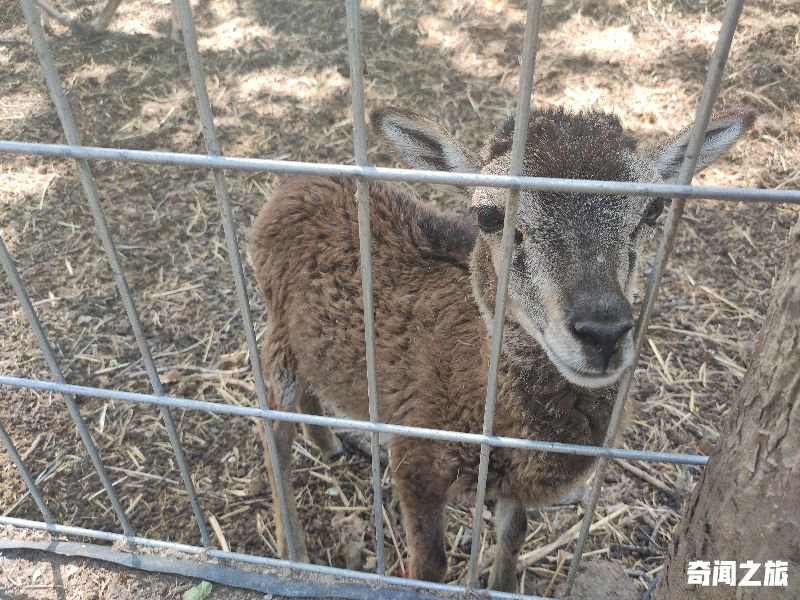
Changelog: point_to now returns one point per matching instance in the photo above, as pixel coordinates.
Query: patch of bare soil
(601, 580)
(279, 87)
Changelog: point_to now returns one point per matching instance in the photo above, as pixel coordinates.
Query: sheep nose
(602, 335)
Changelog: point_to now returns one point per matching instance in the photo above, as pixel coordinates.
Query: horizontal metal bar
(276, 584)
(423, 432)
(256, 560)
(410, 175)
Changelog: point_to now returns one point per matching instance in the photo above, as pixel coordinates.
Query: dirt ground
(279, 86)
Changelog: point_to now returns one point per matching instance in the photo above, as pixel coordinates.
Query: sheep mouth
(588, 379)
(582, 375)
(576, 369)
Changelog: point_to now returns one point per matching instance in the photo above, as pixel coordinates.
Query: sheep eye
(490, 218)
(654, 210)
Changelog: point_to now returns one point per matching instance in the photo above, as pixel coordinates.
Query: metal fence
(363, 172)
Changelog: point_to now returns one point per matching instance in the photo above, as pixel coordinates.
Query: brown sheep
(568, 324)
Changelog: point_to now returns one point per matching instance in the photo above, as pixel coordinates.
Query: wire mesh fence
(363, 173)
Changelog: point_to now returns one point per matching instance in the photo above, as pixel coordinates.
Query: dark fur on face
(589, 144)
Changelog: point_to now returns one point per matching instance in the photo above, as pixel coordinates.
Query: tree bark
(746, 505)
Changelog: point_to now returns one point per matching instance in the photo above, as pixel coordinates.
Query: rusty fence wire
(363, 172)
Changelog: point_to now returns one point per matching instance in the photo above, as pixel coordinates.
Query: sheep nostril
(602, 335)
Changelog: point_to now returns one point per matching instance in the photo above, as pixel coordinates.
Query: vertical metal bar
(223, 198)
(521, 118)
(364, 236)
(50, 358)
(702, 117)
(26, 475)
(90, 189)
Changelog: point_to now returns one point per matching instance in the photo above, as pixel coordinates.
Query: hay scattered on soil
(279, 88)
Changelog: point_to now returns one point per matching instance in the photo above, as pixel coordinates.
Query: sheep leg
(511, 523)
(423, 520)
(422, 501)
(282, 396)
(322, 437)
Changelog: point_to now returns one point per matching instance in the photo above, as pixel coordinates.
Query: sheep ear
(420, 143)
(723, 130)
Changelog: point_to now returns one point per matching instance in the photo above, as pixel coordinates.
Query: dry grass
(279, 88)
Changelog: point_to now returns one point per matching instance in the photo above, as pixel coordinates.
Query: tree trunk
(746, 506)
